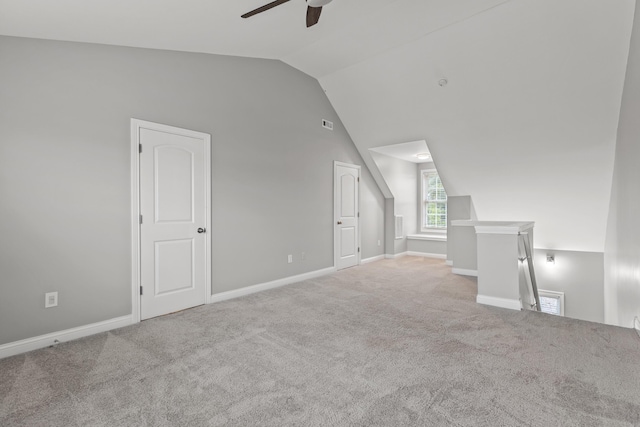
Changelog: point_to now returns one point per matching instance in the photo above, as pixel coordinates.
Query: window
(434, 202)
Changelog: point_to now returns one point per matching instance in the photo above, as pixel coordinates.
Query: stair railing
(525, 246)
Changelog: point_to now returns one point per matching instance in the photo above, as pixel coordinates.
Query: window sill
(434, 236)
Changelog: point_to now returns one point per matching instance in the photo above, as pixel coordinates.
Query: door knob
(339, 222)
(202, 230)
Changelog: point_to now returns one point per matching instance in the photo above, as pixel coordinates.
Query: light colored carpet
(392, 343)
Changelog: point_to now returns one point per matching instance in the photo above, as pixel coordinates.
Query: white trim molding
(54, 338)
(372, 259)
(248, 290)
(426, 255)
(433, 237)
(394, 256)
(423, 174)
(511, 304)
(449, 262)
(464, 272)
(499, 227)
(495, 227)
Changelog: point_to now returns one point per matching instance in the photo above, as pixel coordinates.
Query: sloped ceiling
(526, 124)
(407, 151)
(348, 32)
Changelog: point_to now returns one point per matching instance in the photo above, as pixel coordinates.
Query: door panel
(173, 205)
(348, 238)
(174, 184)
(347, 233)
(348, 191)
(174, 266)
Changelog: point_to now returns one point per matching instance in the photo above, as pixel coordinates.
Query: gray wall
(462, 249)
(579, 275)
(434, 247)
(458, 208)
(622, 248)
(389, 227)
(400, 177)
(65, 172)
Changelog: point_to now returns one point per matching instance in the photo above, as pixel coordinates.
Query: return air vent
(327, 124)
(551, 302)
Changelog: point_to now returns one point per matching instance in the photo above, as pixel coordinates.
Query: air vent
(327, 124)
(551, 302)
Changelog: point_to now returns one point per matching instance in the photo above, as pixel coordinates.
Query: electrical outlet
(290, 259)
(378, 242)
(50, 299)
(302, 256)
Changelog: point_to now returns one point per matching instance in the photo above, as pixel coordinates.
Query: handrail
(532, 275)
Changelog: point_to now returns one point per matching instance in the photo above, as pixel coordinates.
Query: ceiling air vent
(327, 124)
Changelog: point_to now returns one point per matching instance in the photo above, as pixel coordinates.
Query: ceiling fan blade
(313, 15)
(264, 8)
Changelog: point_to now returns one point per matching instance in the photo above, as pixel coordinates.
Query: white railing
(532, 300)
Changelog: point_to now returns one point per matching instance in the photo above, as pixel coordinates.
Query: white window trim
(430, 230)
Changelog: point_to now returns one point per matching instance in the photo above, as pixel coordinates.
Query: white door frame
(336, 214)
(136, 125)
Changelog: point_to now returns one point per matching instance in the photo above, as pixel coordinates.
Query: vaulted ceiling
(526, 123)
(349, 31)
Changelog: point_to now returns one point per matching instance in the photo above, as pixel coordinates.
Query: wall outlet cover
(50, 299)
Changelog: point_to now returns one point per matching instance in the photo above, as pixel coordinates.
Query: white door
(347, 232)
(174, 208)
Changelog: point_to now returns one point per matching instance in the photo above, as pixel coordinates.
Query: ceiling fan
(314, 9)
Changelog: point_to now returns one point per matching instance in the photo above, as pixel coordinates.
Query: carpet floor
(392, 343)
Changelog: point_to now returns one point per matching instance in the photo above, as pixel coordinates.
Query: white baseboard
(465, 272)
(42, 341)
(248, 290)
(372, 259)
(394, 256)
(512, 304)
(426, 255)
(449, 262)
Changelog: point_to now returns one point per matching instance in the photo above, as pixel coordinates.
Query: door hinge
(358, 179)
(140, 218)
(358, 214)
(358, 249)
(139, 148)
(140, 290)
